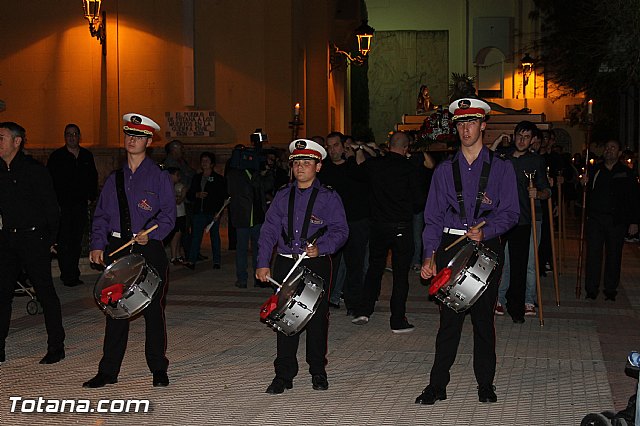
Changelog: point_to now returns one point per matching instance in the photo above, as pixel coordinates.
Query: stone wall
(403, 61)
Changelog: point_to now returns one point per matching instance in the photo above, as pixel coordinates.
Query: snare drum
(126, 287)
(466, 277)
(297, 301)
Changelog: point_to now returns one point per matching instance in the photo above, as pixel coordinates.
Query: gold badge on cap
(301, 144)
(464, 104)
(135, 119)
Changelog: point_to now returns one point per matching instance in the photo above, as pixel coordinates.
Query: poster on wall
(184, 124)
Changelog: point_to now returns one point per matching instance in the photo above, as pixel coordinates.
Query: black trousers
(518, 238)
(317, 329)
(482, 318)
(397, 237)
(116, 332)
(604, 237)
(354, 252)
(73, 219)
(29, 250)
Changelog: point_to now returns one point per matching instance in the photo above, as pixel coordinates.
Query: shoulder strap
(288, 237)
(123, 207)
(482, 184)
(457, 182)
(307, 215)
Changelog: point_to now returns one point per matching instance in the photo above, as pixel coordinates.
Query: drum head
(461, 259)
(125, 270)
(290, 286)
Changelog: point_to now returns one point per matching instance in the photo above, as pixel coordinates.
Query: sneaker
(360, 320)
(403, 327)
(499, 309)
(529, 310)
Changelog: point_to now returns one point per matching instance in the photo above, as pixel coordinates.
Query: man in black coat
(30, 220)
(612, 211)
(75, 180)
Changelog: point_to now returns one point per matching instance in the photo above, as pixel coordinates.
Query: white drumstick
(295, 265)
(274, 282)
(225, 204)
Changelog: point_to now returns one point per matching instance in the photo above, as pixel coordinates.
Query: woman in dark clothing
(207, 194)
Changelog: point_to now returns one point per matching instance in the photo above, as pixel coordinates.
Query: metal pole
(535, 248)
(553, 252)
(584, 208)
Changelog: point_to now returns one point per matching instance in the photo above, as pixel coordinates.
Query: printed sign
(182, 124)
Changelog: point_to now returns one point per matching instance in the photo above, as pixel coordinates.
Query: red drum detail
(269, 306)
(111, 294)
(439, 280)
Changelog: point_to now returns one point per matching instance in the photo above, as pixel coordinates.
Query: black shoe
(241, 284)
(278, 385)
(73, 283)
(430, 395)
(216, 266)
(53, 356)
(334, 305)
(592, 296)
(99, 381)
(519, 320)
(201, 257)
(190, 265)
(2, 356)
(160, 378)
(319, 382)
(403, 327)
(610, 296)
(487, 393)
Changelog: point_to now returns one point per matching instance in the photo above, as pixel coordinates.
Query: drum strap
(123, 206)
(482, 186)
(288, 238)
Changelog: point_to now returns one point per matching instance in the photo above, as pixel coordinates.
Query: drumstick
(133, 240)
(274, 282)
(462, 237)
(225, 204)
(295, 265)
(433, 254)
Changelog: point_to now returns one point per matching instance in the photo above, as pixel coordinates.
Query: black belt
(15, 230)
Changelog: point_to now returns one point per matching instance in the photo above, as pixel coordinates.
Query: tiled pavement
(221, 360)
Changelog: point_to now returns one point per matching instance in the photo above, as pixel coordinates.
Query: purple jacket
(499, 207)
(148, 190)
(327, 211)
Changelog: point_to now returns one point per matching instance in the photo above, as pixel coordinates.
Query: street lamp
(97, 21)
(527, 68)
(364, 34)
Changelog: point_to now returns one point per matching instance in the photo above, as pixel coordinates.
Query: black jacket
(248, 195)
(215, 187)
(74, 179)
(613, 192)
(27, 197)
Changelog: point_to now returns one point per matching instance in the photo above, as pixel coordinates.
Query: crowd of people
(342, 208)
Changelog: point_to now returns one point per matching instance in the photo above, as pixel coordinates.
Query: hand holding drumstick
(474, 233)
(142, 238)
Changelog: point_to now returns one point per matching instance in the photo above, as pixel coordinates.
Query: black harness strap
(482, 186)
(123, 207)
(288, 238)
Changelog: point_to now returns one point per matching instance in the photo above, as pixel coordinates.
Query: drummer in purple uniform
(147, 199)
(487, 185)
(304, 216)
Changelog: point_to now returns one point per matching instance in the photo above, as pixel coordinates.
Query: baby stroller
(24, 288)
(626, 417)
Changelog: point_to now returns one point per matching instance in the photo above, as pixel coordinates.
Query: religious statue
(461, 86)
(423, 105)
